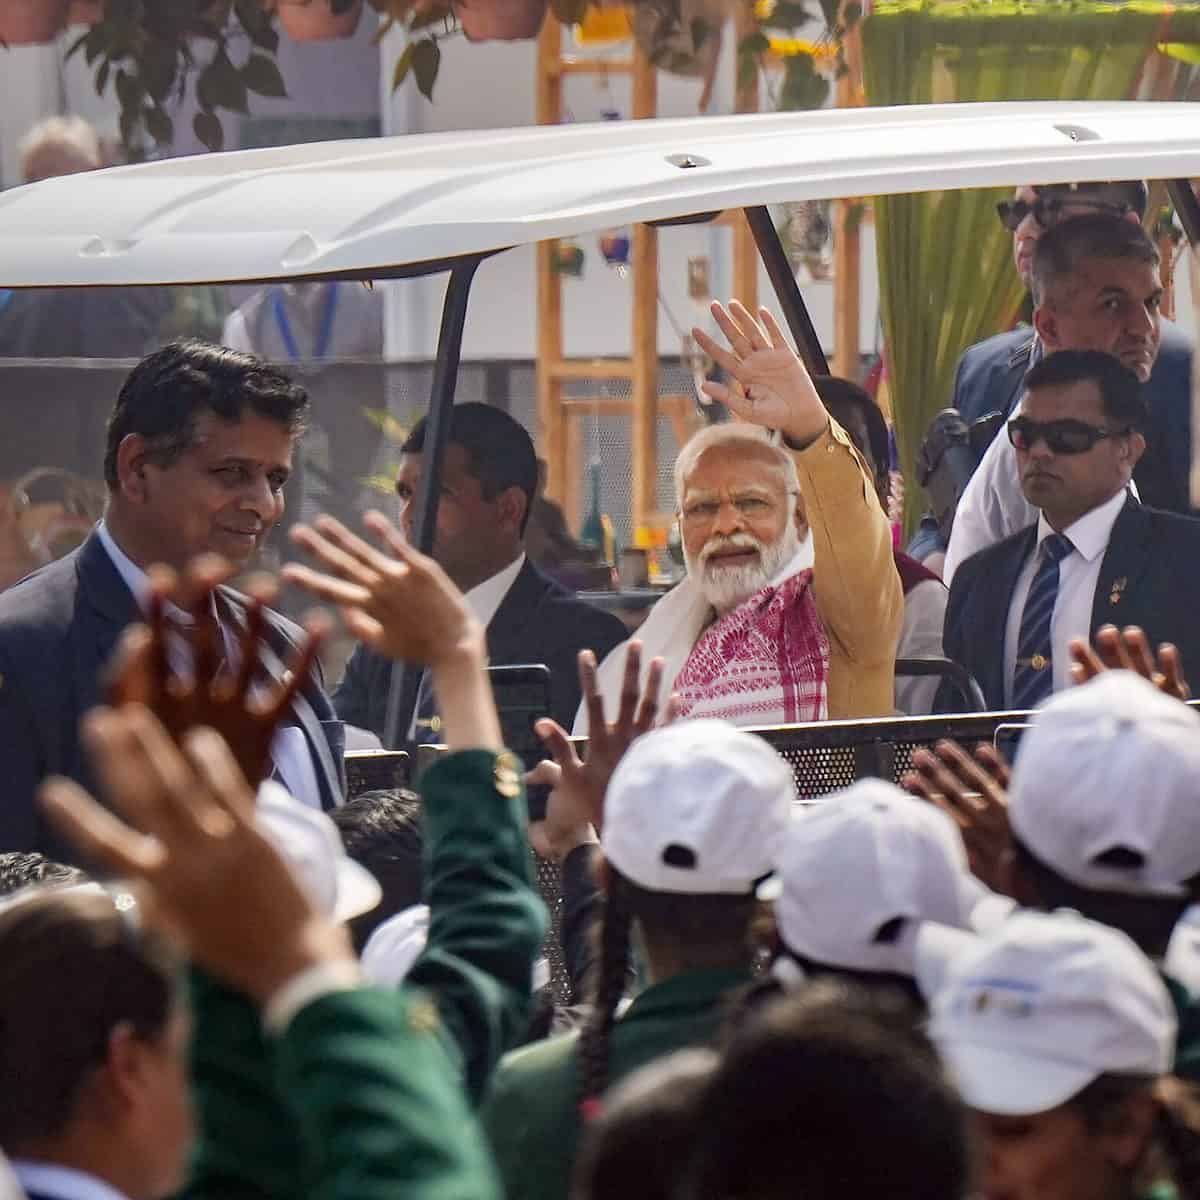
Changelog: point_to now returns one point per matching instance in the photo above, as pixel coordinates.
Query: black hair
(1124, 402)
(26, 868)
(1060, 250)
(499, 450)
(825, 1094)
(1148, 920)
(166, 393)
(841, 397)
(381, 831)
(71, 970)
(1132, 193)
(646, 1130)
(702, 930)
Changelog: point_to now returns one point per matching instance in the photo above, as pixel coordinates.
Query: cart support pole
(406, 677)
(783, 280)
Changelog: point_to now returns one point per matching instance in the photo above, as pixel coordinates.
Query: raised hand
(579, 784)
(247, 717)
(768, 385)
(400, 603)
(190, 839)
(1128, 649)
(973, 793)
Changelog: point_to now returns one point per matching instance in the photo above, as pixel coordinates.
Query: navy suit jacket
(989, 379)
(538, 621)
(1156, 553)
(58, 629)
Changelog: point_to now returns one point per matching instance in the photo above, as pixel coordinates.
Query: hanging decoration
(807, 237)
(319, 20)
(568, 258)
(31, 22)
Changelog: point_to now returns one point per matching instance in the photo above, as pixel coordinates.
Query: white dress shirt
(289, 750)
(63, 1183)
(1078, 574)
(484, 599)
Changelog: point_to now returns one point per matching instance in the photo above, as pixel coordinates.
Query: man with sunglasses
(1095, 555)
(1097, 286)
(989, 374)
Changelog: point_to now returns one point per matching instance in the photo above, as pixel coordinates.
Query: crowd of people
(220, 977)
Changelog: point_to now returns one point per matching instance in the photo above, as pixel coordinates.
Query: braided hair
(608, 985)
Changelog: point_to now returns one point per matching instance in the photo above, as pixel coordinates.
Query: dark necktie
(1033, 678)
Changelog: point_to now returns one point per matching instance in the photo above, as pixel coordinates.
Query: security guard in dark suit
(489, 479)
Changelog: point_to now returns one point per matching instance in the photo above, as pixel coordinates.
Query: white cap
(697, 807)
(872, 860)
(1113, 765)
(310, 842)
(1028, 1016)
(394, 946)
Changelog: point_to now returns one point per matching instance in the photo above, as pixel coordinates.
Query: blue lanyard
(324, 333)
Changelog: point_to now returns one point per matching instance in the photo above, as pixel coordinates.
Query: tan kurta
(855, 581)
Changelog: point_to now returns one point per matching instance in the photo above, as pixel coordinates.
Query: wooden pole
(847, 248)
(644, 263)
(745, 253)
(551, 434)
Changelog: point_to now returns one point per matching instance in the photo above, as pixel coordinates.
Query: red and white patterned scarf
(764, 663)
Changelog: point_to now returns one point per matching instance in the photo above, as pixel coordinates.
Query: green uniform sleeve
(248, 1145)
(486, 921)
(378, 1102)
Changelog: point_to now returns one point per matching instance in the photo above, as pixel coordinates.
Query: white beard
(727, 587)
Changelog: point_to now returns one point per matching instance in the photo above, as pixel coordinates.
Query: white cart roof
(370, 206)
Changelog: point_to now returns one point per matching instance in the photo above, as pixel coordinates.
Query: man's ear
(131, 468)
(1134, 447)
(801, 517)
(116, 1086)
(1046, 323)
(512, 504)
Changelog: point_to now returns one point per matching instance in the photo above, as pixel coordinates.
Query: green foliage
(151, 50)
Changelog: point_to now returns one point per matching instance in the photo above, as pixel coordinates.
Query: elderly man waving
(792, 606)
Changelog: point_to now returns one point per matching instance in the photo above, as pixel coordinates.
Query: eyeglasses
(1061, 437)
(1048, 210)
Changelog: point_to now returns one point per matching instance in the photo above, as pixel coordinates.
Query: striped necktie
(1033, 678)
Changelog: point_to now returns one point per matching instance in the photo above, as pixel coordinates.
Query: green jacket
(1187, 1039)
(530, 1113)
(369, 1091)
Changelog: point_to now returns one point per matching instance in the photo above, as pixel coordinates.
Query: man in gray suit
(199, 447)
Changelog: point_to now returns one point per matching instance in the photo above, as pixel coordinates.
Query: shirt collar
(690, 991)
(134, 578)
(1089, 535)
(63, 1183)
(486, 597)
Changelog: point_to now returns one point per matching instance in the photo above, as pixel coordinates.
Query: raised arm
(486, 920)
(857, 588)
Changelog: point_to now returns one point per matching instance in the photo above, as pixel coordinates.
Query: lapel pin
(1118, 589)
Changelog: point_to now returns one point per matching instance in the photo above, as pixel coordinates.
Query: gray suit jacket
(58, 628)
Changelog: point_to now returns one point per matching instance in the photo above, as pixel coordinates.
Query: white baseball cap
(857, 875)
(1028, 1016)
(394, 945)
(1106, 788)
(309, 840)
(697, 807)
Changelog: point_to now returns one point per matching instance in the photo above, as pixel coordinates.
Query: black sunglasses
(1047, 210)
(1062, 437)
